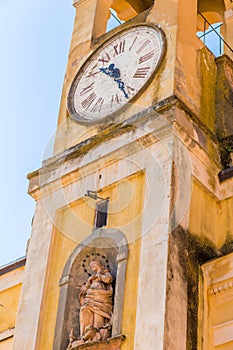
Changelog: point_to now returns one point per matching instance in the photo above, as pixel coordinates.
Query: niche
(127, 9)
(108, 247)
(112, 13)
(211, 26)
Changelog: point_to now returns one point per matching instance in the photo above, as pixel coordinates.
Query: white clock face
(115, 73)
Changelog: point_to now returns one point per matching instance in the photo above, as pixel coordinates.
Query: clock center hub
(116, 74)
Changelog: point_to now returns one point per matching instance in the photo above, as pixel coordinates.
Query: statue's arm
(106, 278)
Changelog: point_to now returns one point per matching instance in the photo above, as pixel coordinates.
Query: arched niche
(108, 246)
(124, 9)
(212, 10)
(127, 9)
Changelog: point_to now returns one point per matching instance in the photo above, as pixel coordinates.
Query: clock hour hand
(115, 73)
(121, 86)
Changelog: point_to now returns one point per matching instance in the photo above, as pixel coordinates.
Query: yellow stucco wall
(10, 288)
(9, 298)
(209, 216)
(225, 225)
(6, 344)
(202, 212)
(123, 215)
(216, 313)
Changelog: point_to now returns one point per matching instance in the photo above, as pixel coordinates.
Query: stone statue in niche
(96, 306)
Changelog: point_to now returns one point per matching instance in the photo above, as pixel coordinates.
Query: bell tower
(136, 201)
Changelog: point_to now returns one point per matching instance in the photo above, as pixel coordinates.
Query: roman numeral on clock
(115, 99)
(98, 105)
(105, 58)
(119, 48)
(141, 72)
(130, 90)
(143, 46)
(133, 43)
(146, 57)
(92, 74)
(86, 89)
(88, 101)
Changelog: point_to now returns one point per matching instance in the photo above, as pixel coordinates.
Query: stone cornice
(224, 58)
(218, 274)
(76, 3)
(111, 132)
(135, 128)
(7, 334)
(131, 134)
(221, 288)
(226, 174)
(12, 266)
(109, 344)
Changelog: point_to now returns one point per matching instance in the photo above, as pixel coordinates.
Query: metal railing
(114, 21)
(208, 31)
(115, 17)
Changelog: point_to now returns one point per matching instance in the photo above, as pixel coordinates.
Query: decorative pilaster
(91, 20)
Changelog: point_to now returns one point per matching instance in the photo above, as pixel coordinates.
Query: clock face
(115, 73)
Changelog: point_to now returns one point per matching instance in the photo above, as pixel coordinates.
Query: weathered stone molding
(223, 333)
(15, 277)
(216, 287)
(76, 3)
(12, 266)
(109, 344)
(138, 130)
(224, 266)
(84, 146)
(226, 174)
(7, 334)
(221, 288)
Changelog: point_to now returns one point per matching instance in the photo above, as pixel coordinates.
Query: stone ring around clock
(131, 58)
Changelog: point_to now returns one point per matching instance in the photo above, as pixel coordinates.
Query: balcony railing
(114, 21)
(212, 38)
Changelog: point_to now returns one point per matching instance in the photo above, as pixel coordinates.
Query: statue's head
(95, 265)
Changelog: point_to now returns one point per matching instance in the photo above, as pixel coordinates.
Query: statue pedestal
(109, 344)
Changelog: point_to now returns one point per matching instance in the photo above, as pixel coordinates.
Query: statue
(96, 305)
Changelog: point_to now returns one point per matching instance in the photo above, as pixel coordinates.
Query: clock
(115, 73)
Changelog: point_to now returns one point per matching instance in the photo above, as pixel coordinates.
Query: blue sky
(34, 39)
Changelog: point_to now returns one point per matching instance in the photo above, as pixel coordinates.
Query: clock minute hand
(115, 73)
(121, 86)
